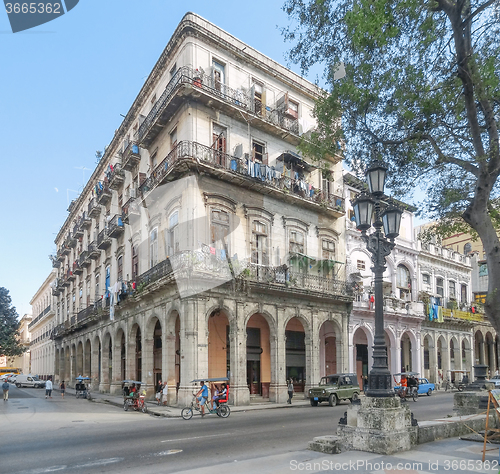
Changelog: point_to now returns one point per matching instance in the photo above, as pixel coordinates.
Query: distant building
(204, 244)
(42, 347)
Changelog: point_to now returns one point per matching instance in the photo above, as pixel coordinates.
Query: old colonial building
(42, 347)
(204, 244)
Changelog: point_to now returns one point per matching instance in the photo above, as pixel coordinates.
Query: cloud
(57, 190)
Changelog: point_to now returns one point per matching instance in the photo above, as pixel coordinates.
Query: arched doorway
(454, 354)
(157, 353)
(295, 354)
(79, 359)
(406, 352)
(218, 345)
(138, 355)
(490, 353)
(479, 348)
(87, 363)
(120, 337)
(258, 355)
(362, 353)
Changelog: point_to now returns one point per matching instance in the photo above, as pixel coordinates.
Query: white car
(5, 376)
(496, 380)
(29, 381)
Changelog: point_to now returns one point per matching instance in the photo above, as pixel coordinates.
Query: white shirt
(48, 385)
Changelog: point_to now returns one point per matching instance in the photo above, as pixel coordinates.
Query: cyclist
(412, 385)
(202, 397)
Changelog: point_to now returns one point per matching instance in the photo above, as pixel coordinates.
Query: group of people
(220, 394)
(407, 383)
(161, 392)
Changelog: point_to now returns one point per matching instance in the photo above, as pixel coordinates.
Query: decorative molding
(293, 222)
(258, 212)
(216, 199)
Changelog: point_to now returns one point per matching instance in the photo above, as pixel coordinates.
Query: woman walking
(62, 387)
(290, 391)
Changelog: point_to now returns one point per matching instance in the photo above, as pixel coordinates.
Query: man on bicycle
(412, 384)
(202, 397)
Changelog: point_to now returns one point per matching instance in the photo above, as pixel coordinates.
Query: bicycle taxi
(411, 392)
(217, 407)
(82, 389)
(456, 379)
(133, 396)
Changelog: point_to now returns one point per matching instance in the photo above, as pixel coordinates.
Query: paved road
(73, 435)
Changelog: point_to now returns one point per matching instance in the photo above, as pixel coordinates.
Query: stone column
(445, 358)
(148, 362)
(115, 383)
(491, 351)
(190, 368)
(239, 393)
(344, 348)
(277, 389)
(105, 362)
(481, 352)
(168, 367)
(130, 350)
(417, 355)
(95, 365)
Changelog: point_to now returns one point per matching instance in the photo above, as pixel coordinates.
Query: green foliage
(427, 98)
(9, 327)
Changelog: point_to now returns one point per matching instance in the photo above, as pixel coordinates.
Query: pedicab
(82, 389)
(133, 397)
(411, 391)
(217, 407)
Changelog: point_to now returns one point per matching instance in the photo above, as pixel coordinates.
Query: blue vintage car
(424, 386)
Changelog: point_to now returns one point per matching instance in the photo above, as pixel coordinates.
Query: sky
(63, 88)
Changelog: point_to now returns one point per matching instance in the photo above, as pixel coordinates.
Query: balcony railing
(208, 84)
(39, 317)
(77, 268)
(116, 177)
(115, 226)
(93, 252)
(104, 194)
(462, 315)
(130, 156)
(55, 262)
(94, 208)
(155, 273)
(77, 231)
(264, 174)
(103, 239)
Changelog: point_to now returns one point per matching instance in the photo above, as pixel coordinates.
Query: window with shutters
(219, 78)
(463, 293)
(259, 152)
(173, 234)
(451, 290)
(296, 241)
(440, 286)
(259, 243)
(135, 262)
(173, 138)
(219, 229)
(327, 182)
(328, 249)
(153, 247)
(97, 293)
(258, 97)
(120, 268)
(219, 144)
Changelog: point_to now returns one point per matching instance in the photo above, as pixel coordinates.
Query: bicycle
(222, 410)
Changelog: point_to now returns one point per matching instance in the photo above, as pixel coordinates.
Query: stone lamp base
(378, 425)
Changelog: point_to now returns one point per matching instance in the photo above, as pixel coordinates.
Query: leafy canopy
(9, 327)
(422, 83)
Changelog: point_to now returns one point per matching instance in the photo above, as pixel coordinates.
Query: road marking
(194, 437)
(166, 453)
(47, 469)
(99, 462)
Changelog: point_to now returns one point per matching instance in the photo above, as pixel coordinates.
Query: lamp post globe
(375, 175)
(391, 219)
(363, 211)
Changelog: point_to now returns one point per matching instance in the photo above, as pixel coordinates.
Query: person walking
(63, 388)
(159, 388)
(165, 393)
(5, 387)
(48, 388)
(290, 391)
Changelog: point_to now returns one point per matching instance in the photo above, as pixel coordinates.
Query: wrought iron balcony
(55, 262)
(130, 156)
(158, 271)
(77, 268)
(85, 222)
(94, 208)
(70, 241)
(115, 227)
(103, 239)
(65, 250)
(131, 207)
(93, 252)
(116, 177)
(56, 290)
(39, 317)
(256, 174)
(77, 231)
(104, 195)
(204, 87)
(84, 259)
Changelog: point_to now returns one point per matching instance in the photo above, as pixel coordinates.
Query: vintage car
(334, 388)
(424, 386)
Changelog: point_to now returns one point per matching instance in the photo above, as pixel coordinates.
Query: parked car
(424, 386)
(5, 376)
(496, 380)
(12, 378)
(334, 388)
(29, 381)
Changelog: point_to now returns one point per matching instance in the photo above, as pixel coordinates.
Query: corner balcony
(191, 84)
(93, 252)
(116, 227)
(116, 177)
(104, 195)
(243, 173)
(65, 250)
(103, 239)
(130, 156)
(94, 208)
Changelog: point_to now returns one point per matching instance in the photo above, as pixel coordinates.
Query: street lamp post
(380, 246)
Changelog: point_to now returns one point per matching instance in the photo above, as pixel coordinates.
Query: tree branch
(478, 11)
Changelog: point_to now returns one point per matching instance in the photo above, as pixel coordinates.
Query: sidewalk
(175, 412)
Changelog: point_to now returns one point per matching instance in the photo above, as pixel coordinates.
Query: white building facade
(42, 347)
(204, 245)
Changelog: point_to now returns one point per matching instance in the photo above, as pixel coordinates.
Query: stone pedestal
(378, 425)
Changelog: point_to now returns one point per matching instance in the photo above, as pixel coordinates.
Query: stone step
(329, 444)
